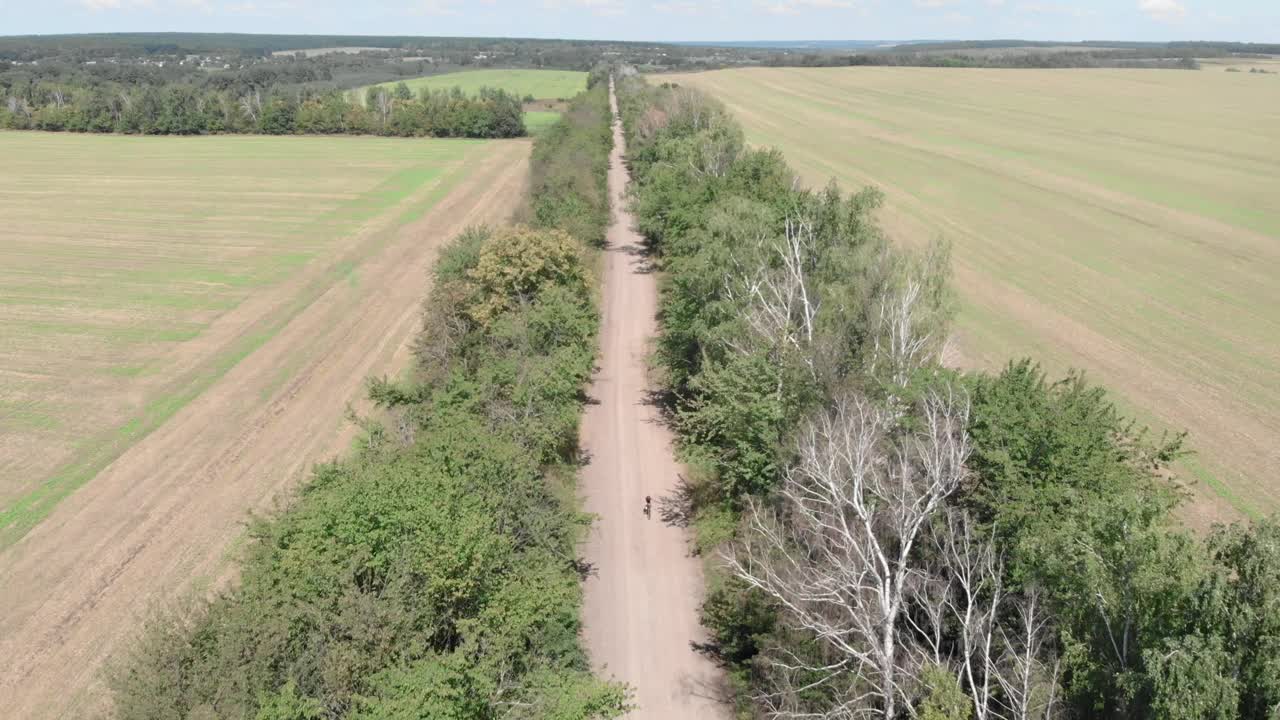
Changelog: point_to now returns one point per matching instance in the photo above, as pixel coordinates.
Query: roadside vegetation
(432, 574)
(570, 166)
(890, 537)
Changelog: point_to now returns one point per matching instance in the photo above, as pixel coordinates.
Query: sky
(668, 20)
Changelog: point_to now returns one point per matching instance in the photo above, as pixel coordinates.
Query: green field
(137, 271)
(541, 84)
(539, 120)
(1126, 222)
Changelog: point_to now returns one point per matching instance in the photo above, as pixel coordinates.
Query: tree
(1077, 500)
(1237, 611)
(515, 264)
(1192, 680)
(279, 116)
(838, 553)
(286, 704)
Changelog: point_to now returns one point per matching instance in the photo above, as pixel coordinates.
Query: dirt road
(163, 515)
(641, 606)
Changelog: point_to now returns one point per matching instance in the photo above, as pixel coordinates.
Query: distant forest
(191, 83)
(1032, 54)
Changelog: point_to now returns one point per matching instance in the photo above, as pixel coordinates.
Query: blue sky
(1252, 20)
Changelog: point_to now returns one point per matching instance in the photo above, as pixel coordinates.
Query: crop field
(1236, 64)
(539, 120)
(541, 84)
(135, 272)
(1124, 222)
(183, 323)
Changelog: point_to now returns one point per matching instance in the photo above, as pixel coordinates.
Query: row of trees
(901, 540)
(570, 165)
(181, 109)
(432, 574)
(1009, 58)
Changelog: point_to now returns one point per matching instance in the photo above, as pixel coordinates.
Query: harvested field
(138, 270)
(190, 317)
(1126, 222)
(1269, 64)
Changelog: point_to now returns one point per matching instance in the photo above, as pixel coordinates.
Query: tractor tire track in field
(163, 515)
(641, 602)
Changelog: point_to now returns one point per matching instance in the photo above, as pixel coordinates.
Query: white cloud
(934, 3)
(686, 7)
(604, 8)
(1163, 10)
(208, 7)
(793, 7)
(437, 7)
(1056, 8)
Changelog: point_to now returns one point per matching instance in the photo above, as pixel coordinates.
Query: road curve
(641, 602)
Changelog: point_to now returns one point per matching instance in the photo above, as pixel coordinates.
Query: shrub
(432, 574)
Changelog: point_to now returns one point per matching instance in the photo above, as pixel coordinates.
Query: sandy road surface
(641, 605)
(166, 511)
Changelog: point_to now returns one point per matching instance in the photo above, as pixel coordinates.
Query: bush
(432, 574)
(569, 169)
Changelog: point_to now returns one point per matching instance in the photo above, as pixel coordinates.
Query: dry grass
(135, 272)
(166, 518)
(1126, 222)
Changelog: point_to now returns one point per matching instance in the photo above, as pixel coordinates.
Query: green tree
(515, 264)
(1192, 679)
(286, 704)
(1238, 606)
(942, 698)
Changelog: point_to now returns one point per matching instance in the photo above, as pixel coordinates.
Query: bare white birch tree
(776, 289)
(908, 323)
(384, 103)
(838, 553)
(900, 346)
(1002, 668)
(975, 577)
(1030, 684)
(251, 104)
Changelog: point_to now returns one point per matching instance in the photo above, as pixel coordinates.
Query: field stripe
(402, 198)
(160, 519)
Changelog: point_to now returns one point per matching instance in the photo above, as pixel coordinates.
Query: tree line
(184, 109)
(1041, 59)
(1031, 54)
(433, 573)
(895, 538)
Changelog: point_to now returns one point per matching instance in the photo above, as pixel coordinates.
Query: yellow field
(1126, 222)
